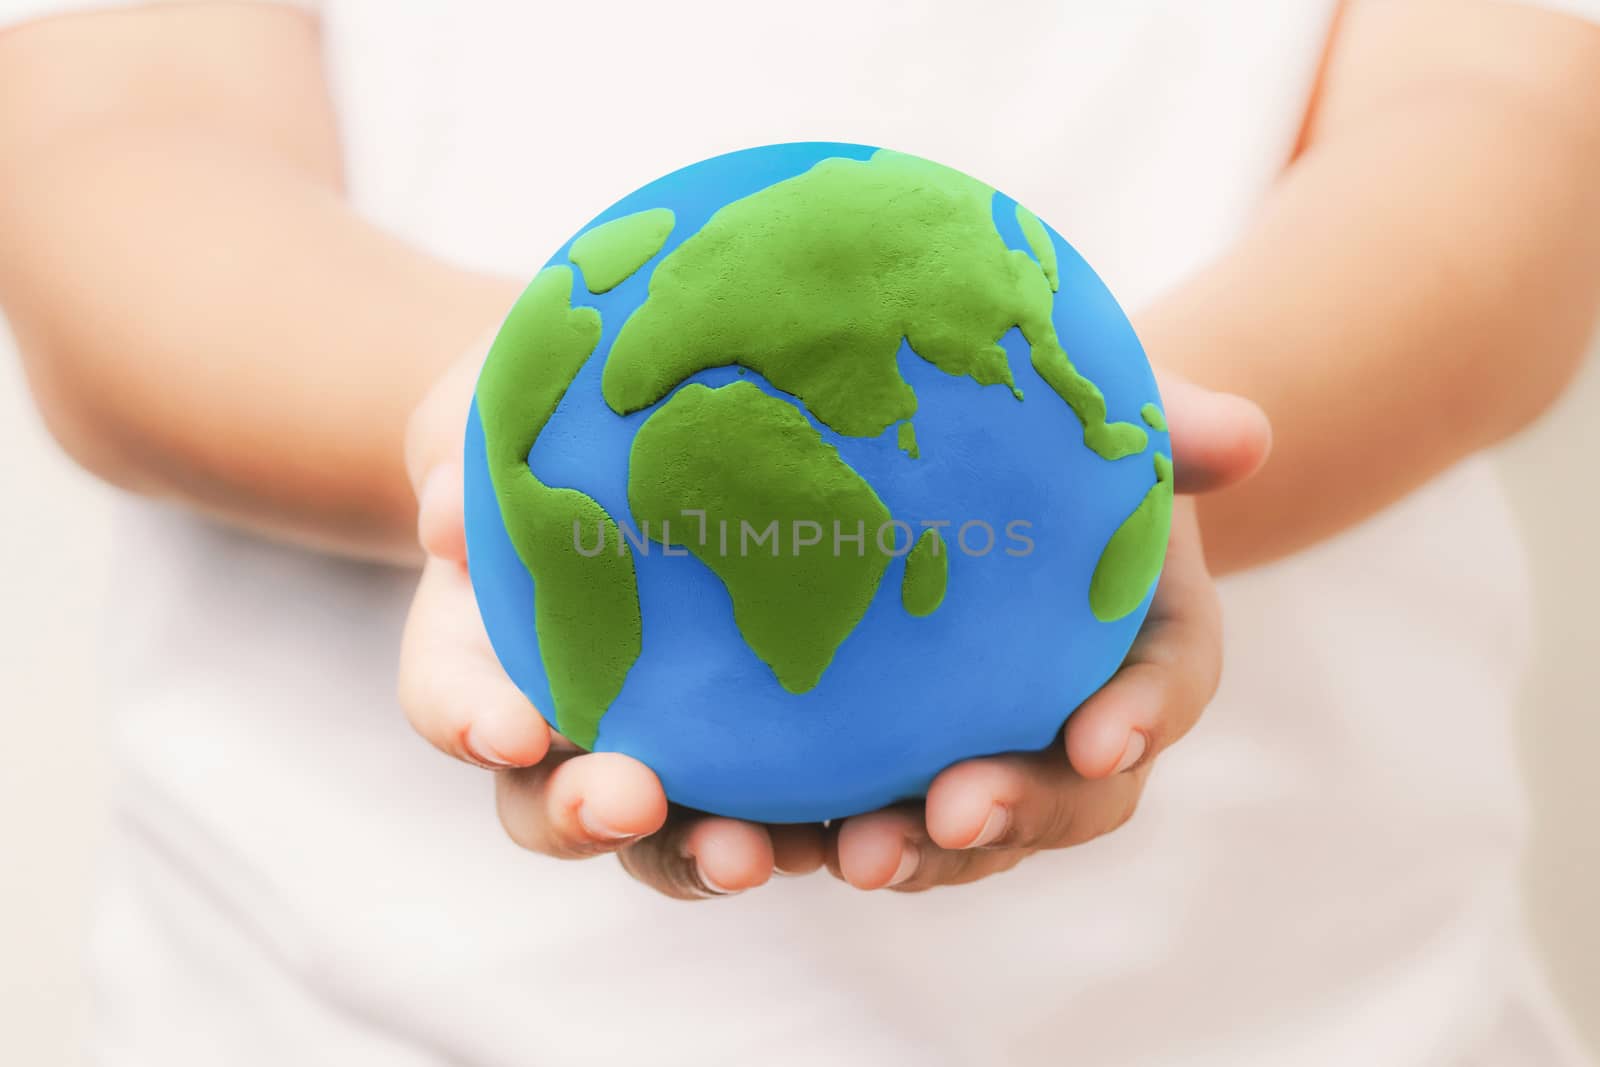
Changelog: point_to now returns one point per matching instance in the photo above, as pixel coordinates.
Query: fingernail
(1137, 743)
(995, 825)
(712, 886)
(596, 827)
(490, 738)
(910, 858)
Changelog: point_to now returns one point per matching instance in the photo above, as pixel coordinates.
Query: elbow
(1529, 314)
(86, 429)
(1562, 372)
(1533, 369)
(1548, 320)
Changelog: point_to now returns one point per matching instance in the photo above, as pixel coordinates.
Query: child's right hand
(552, 797)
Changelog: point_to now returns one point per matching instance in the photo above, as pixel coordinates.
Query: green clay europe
(814, 282)
(610, 253)
(1044, 249)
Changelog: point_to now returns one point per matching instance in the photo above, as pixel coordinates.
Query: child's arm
(1420, 284)
(1424, 278)
(201, 314)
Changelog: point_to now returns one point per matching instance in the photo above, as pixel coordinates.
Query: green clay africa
(849, 251)
(785, 477)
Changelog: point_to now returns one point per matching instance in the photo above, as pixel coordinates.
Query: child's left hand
(986, 815)
(980, 817)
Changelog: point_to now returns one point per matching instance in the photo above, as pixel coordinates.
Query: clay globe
(806, 471)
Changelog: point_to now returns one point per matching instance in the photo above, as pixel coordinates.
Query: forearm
(233, 336)
(203, 317)
(1420, 284)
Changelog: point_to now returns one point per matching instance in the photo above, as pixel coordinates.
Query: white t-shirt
(1314, 876)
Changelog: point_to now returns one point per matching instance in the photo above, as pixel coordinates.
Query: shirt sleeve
(17, 12)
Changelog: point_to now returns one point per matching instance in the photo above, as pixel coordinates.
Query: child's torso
(352, 889)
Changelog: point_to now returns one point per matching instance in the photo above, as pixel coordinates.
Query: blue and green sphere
(806, 471)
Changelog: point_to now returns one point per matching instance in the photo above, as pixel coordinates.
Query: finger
(796, 849)
(441, 523)
(891, 849)
(1218, 439)
(1171, 672)
(453, 692)
(433, 448)
(578, 804)
(697, 856)
(1026, 801)
(438, 423)
(879, 849)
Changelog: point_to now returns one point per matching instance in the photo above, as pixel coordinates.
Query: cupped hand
(552, 797)
(986, 815)
(980, 817)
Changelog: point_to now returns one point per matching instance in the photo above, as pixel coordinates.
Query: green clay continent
(1044, 249)
(906, 438)
(768, 484)
(815, 281)
(609, 254)
(927, 571)
(586, 608)
(1132, 559)
(1153, 418)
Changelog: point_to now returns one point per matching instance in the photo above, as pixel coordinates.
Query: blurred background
(54, 777)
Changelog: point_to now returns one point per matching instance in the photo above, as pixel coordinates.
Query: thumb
(433, 458)
(1218, 439)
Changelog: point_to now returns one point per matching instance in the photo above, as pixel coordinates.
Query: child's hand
(987, 815)
(981, 816)
(552, 797)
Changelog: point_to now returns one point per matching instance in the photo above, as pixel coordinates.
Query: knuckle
(915, 885)
(1119, 809)
(522, 805)
(935, 870)
(679, 878)
(1061, 814)
(963, 868)
(1074, 830)
(1106, 812)
(658, 865)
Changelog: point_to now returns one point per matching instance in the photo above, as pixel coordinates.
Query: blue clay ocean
(1025, 508)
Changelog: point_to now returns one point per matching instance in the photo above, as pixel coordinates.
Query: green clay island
(813, 283)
